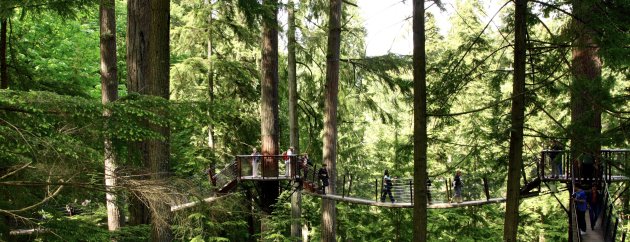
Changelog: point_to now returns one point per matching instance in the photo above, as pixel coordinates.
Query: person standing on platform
(580, 207)
(255, 160)
(457, 185)
(387, 187)
(323, 177)
(287, 163)
(555, 159)
(594, 205)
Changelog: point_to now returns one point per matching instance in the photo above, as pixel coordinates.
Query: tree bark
(211, 141)
(137, 73)
(158, 85)
(329, 214)
(109, 93)
(510, 227)
(269, 122)
(419, 124)
(296, 198)
(4, 71)
(586, 83)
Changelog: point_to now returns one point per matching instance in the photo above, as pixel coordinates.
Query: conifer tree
(109, 90)
(329, 213)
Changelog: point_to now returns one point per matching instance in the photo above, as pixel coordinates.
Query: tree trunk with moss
(419, 124)
(329, 213)
(137, 73)
(109, 93)
(158, 150)
(510, 227)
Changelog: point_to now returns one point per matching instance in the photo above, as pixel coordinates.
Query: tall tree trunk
(211, 141)
(510, 227)
(137, 74)
(296, 198)
(159, 60)
(586, 83)
(329, 214)
(419, 124)
(4, 72)
(269, 122)
(109, 93)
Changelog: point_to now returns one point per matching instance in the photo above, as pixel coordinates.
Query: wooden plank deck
(568, 179)
(596, 235)
(266, 178)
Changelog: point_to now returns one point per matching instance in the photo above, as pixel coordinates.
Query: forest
(266, 120)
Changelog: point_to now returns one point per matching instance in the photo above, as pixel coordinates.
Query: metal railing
(226, 175)
(611, 218)
(267, 166)
(608, 164)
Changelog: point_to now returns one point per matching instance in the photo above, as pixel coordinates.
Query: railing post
(376, 188)
(485, 188)
(314, 170)
(607, 227)
(541, 166)
(343, 186)
(411, 190)
(350, 185)
(614, 232)
(448, 188)
(239, 168)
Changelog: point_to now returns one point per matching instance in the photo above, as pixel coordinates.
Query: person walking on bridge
(594, 205)
(323, 177)
(580, 207)
(457, 185)
(387, 190)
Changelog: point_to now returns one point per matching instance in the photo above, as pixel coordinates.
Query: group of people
(388, 184)
(591, 201)
(300, 167)
(286, 157)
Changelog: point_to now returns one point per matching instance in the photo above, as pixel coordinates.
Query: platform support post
(411, 190)
(349, 186)
(376, 189)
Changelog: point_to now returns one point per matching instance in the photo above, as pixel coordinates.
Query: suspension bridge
(552, 166)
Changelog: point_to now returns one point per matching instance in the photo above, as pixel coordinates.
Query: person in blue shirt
(580, 207)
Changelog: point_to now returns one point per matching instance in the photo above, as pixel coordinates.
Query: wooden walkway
(568, 179)
(410, 205)
(266, 178)
(596, 235)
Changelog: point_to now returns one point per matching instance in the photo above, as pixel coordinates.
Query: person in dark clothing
(588, 166)
(323, 177)
(387, 187)
(428, 190)
(580, 207)
(457, 185)
(555, 160)
(594, 205)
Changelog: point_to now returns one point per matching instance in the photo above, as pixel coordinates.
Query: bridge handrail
(610, 213)
(226, 175)
(575, 228)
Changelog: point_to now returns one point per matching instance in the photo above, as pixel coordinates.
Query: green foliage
(51, 124)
